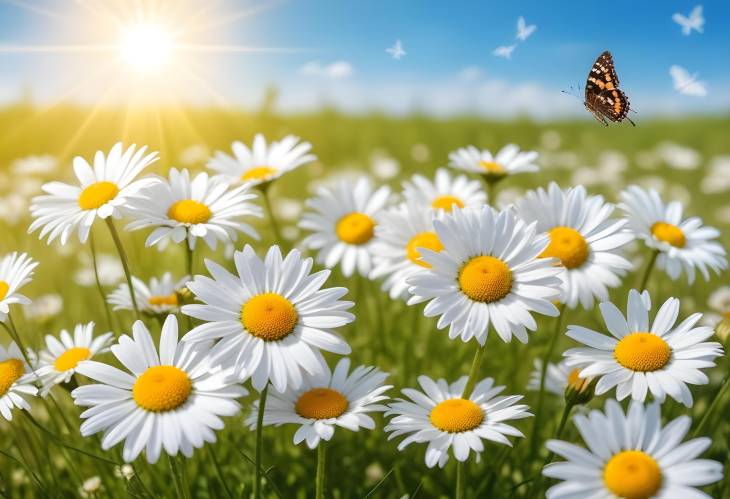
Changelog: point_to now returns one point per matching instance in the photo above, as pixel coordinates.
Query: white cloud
(335, 70)
(470, 73)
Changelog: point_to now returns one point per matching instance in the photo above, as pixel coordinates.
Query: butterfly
(686, 83)
(504, 51)
(524, 31)
(695, 21)
(603, 98)
(396, 51)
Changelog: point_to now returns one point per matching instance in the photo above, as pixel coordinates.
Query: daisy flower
(173, 400)
(719, 303)
(16, 381)
(62, 358)
(444, 192)
(508, 161)
(636, 358)
(400, 234)
(272, 317)
(583, 237)
(631, 455)
(102, 192)
(682, 244)
(558, 378)
(488, 273)
(440, 416)
(343, 224)
(161, 296)
(262, 163)
(16, 270)
(325, 401)
(183, 208)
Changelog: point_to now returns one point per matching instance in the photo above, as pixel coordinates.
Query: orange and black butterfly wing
(603, 97)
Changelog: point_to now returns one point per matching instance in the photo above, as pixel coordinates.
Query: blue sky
(449, 67)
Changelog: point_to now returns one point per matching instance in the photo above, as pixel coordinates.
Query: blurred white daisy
(272, 317)
(444, 192)
(632, 456)
(262, 163)
(182, 208)
(108, 267)
(159, 297)
(400, 234)
(16, 381)
(43, 307)
(90, 487)
(383, 166)
(440, 416)
(34, 165)
(637, 358)
(64, 355)
(102, 192)
(16, 270)
(557, 378)
(343, 224)
(489, 273)
(582, 237)
(173, 400)
(508, 161)
(325, 401)
(719, 303)
(682, 244)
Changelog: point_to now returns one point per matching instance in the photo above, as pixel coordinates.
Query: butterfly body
(605, 101)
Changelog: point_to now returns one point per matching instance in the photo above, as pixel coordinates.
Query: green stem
(125, 264)
(189, 258)
(561, 426)
(713, 406)
(270, 212)
(176, 478)
(649, 268)
(99, 287)
(259, 442)
(13, 332)
(474, 372)
(460, 480)
(218, 471)
(321, 469)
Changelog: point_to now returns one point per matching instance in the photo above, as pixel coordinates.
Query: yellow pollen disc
(355, 228)
(269, 316)
(568, 245)
(485, 279)
(162, 388)
(456, 415)
(162, 300)
(71, 357)
(423, 240)
(642, 352)
(446, 203)
(725, 315)
(188, 211)
(575, 382)
(10, 371)
(321, 403)
(669, 234)
(258, 173)
(632, 474)
(4, 287)
(98, 193)
(492, 168)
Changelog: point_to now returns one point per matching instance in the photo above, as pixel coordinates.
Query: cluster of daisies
(267, 319)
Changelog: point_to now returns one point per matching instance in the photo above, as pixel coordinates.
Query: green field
(55, 460)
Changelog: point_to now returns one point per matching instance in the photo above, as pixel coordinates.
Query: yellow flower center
(97, 194)
(4, 287)
(321, 403)
(632, 474)
(269, 316)
(423, 240)
(189, 211)
(568, 245)
(163, 300)
(725, 315)
(642, 352)
(446, 203)
(10, 371)
(485, 279)
(456, 415)
(492, 168)
(71, 357)
(669, 234)
(258, 173)
(162, 388)
(355, 228)
(575, 382)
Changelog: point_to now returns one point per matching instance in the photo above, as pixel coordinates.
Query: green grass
(387, 334)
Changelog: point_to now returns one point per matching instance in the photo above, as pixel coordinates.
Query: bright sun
(146, 46)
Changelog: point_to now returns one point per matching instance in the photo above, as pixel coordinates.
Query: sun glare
(146, 46)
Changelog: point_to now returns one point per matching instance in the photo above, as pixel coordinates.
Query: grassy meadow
(51, 458)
